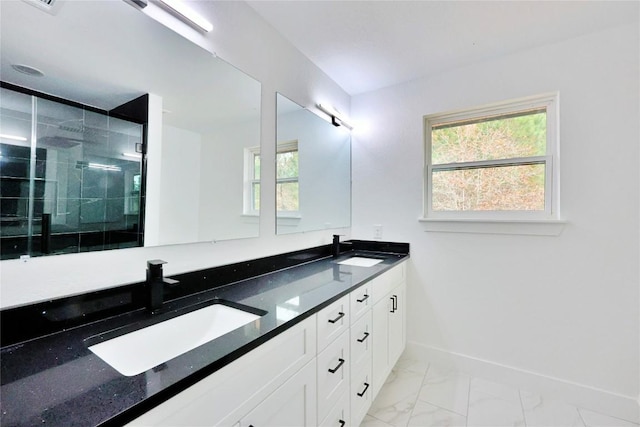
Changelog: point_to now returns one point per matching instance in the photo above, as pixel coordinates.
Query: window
(287, 189)
(495, 162)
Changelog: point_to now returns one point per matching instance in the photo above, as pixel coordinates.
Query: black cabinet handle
(340, 316)
(366, 335)
(394, 303)
(342, 423)
(364, 298)
(340, 363)
(366, 386)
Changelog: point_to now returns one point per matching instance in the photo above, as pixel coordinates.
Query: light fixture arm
(336, 120)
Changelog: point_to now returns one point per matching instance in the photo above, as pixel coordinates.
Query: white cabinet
(293, 404)
(389, 325)
(397, 324)
(227, 395)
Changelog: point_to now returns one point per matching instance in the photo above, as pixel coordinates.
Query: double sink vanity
(303, 338)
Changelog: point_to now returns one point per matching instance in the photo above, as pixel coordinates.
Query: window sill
(549, 227)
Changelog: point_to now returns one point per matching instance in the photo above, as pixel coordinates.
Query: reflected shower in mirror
(70, 178)
(204, 117)
(313, 171)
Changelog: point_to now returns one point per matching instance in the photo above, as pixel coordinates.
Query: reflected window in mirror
(313, 171)
(287, 182)
(287, 194)
(70, 177)
(252, 181)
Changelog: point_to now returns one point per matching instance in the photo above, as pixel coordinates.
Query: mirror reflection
(206, 115)
(313, 171)
(70, 178)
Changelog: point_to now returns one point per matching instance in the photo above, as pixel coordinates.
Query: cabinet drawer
(383, 284)
(339, 415)
(333, 321)
(361, 300)
(361, 341)
(361, 395)
(333, 374)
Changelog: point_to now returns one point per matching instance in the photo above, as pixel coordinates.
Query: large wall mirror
(104, 55)
(313, 171)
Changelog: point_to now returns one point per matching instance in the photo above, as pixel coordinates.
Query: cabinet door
(333, 374)
(361, 342)
(397, 324)
(293, 404)
(361, 395)
(380, 342)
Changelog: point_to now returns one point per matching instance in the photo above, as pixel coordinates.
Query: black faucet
(335, 247)
(155, 284)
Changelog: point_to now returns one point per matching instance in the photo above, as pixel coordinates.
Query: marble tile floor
(418, 394)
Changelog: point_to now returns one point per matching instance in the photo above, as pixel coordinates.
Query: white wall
(557, 312)
(242, 38)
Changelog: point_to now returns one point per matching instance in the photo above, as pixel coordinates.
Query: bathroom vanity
(319, 336)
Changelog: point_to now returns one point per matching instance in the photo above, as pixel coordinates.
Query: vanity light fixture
(188, 14)
(13, 137)
(336, 120)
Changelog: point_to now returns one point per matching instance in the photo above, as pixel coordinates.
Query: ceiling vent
(49, 6)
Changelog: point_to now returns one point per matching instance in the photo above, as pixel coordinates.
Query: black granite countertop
(49, 376)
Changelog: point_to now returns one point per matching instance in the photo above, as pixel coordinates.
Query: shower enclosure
(71, 177)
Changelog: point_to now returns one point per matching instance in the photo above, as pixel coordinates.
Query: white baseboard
(580, 395)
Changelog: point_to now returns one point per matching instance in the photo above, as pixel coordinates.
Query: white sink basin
(141, 350)
(360, 261)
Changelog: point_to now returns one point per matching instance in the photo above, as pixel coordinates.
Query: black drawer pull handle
(340, 316)
(366, 335)
(364, 298)
(366, 387)
(340, 363)
(342, 423)
(395, 302)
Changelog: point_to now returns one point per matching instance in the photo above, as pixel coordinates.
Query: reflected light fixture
(12, 137)
(134, 155)
(188, 14)
(104, 167)
(336, 120)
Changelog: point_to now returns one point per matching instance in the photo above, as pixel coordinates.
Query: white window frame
(550, 160)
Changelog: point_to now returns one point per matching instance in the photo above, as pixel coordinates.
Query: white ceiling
(366, 45)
